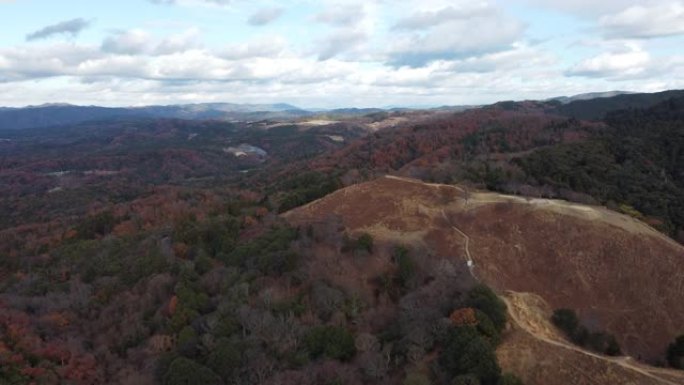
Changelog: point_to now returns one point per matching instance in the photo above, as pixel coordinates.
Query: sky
(329, 53)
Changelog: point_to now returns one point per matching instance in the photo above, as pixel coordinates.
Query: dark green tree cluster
(675, 353)
(468, 354)
(305, 188)
(601, 342)
(362, 243)
(269, 253)
(216, 236)
(96, 226)
(365, 242)
(637, 162)
(330, 341)
(484, 299)
(183, 371)
(406, 266)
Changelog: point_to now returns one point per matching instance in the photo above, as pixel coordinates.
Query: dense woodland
(634, 164)
(631, 161)
(142, 252)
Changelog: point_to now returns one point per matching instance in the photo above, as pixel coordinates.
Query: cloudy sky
(329, 53)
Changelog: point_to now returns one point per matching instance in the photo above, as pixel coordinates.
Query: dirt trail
(516, 305)
(469, 257)
(396, 208)
(416, 181)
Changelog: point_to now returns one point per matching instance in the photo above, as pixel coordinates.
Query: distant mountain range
(597, 108)
(584, 106)
(62, 114)
(590, 96)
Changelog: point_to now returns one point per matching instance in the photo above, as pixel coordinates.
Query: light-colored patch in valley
(318, 122)
(336, 138)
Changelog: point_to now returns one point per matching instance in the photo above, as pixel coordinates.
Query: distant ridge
(56, 114)
(589, 106)
(597, 108)
(59, 114)
(590, 96)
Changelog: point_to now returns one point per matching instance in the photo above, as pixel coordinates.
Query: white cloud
(374, 52)
(584, 7)
(140, 42)
(69, 27)
(193, 2)
(265, 16)
(184, 41)
(519, 56)
(35, 62)
(342, 15)
(266, 46)
(352, 28)
(453, 33)
(641, 21)
(428, 19)
(132, 42)
(340, 41)
(629, 61)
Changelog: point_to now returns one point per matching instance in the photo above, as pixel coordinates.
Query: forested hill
(597, 109)
(153, 251)
(631, 160)
(64, 114)
(637, 162)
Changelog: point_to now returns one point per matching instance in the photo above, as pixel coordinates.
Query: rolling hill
(619, 274)
(597, 108)
(64, 114)
(137, 249)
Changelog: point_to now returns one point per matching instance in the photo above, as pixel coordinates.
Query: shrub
(613, 348)
(183, 371)
(406, 266)
(467, 379)
(267, 253)
(566, 320)
(416, 378)
(510, 379)
(483, 298)
(466, 352)
(675, 353)
(486, 327)
(330, 341)
(365, 242)
(225, 358)
(601, 342)
(96, 226)
(326, 300)
(187, 336)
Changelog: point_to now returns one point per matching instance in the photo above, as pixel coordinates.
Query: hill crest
(618, 273)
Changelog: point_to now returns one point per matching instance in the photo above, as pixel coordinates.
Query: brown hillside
(618, 273)
(536, 351)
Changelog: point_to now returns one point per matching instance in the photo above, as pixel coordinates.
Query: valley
(353, 247)
(342, 192)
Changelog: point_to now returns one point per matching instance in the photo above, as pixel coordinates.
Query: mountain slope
(539, 354)
(595, 109)
(589, 96)
(62, 114)
(619, 274)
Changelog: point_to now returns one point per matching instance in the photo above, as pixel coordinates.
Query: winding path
(624, 362)
(621, 361)
(469, 257)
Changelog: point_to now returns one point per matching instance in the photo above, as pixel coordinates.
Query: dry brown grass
(619, 274)
(536, 351)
